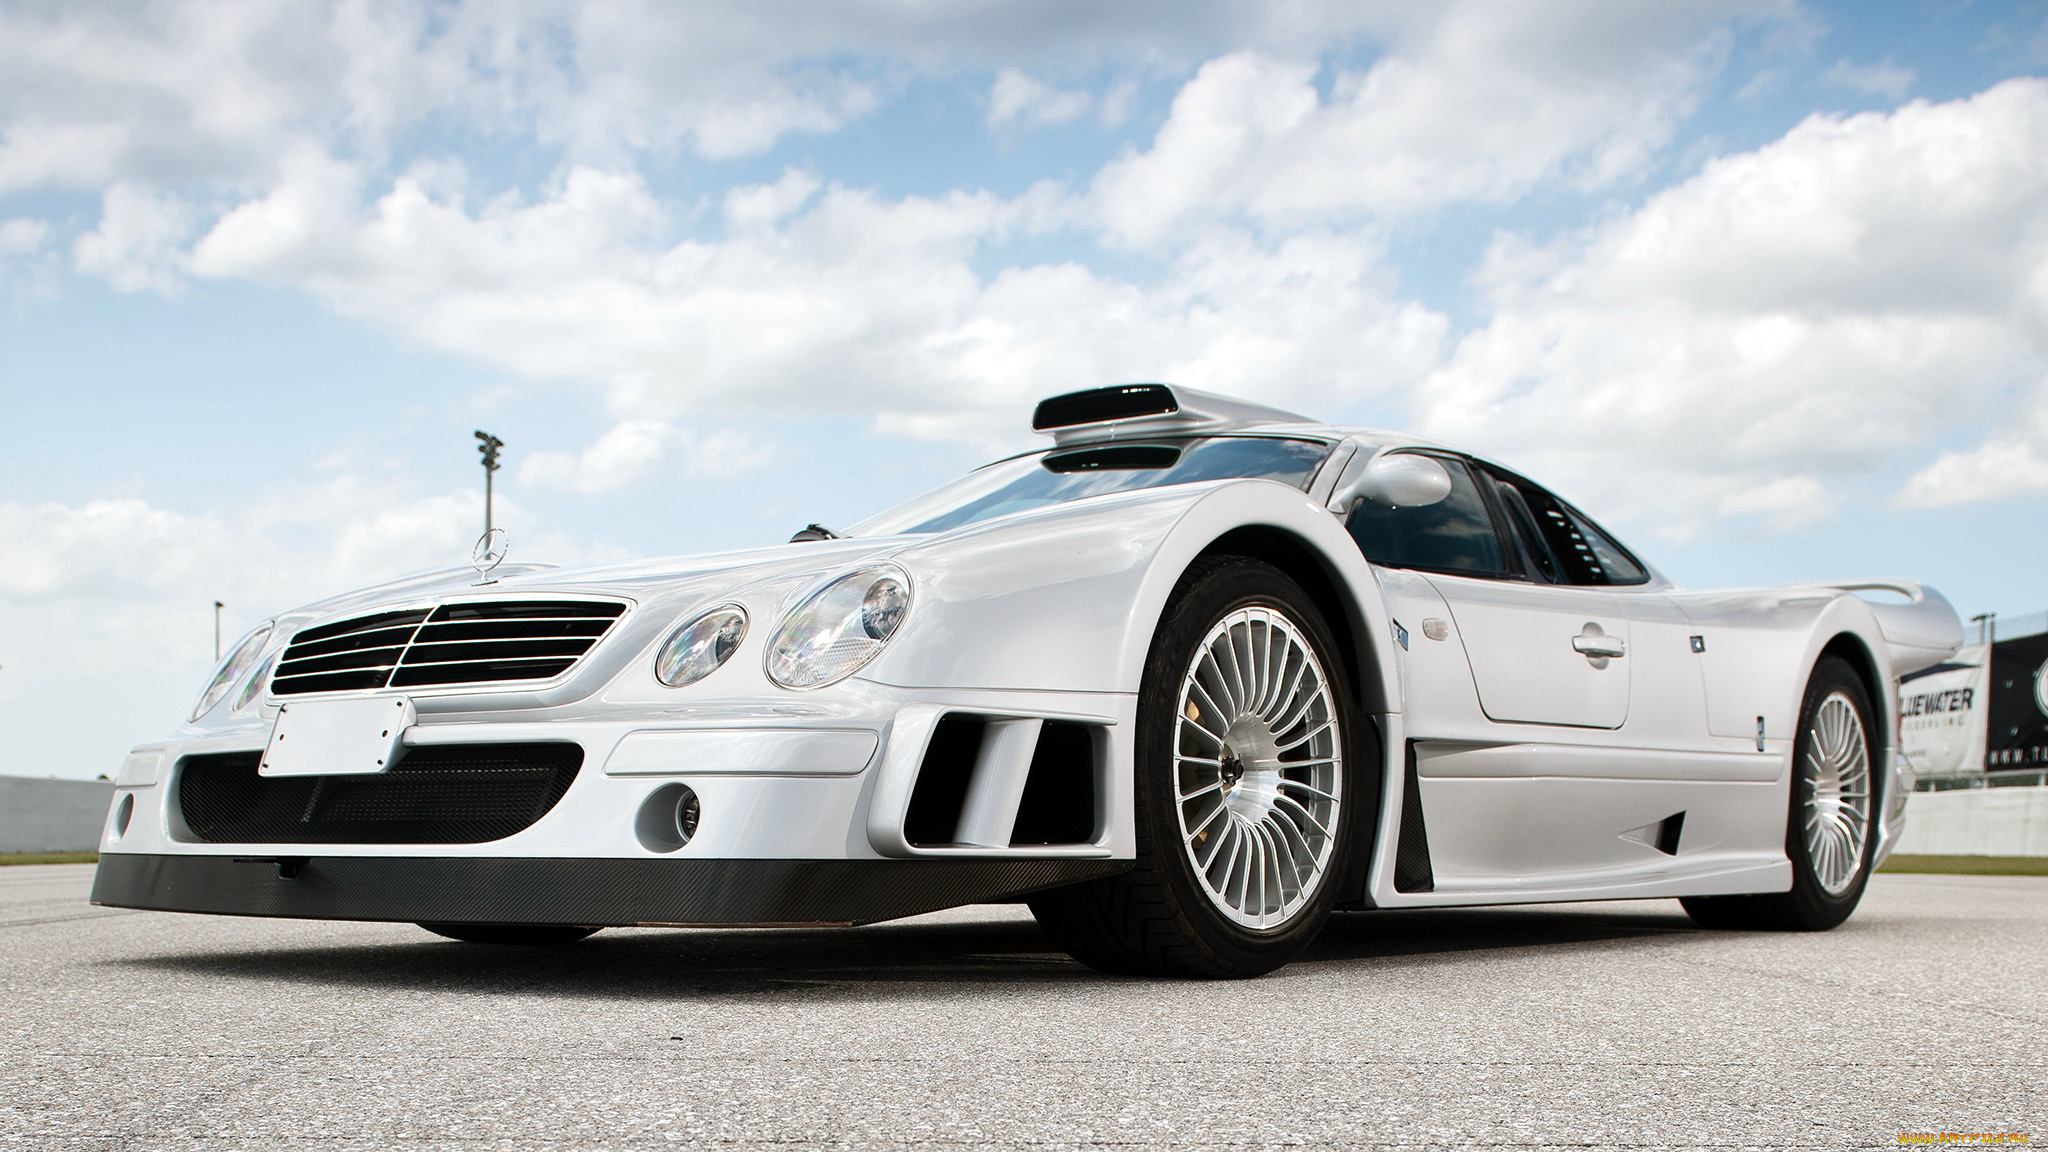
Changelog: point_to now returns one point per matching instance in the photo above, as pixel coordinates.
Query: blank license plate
(337, 737)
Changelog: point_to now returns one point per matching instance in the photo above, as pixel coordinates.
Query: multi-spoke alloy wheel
(1836, 774)
(1830, 839)
(1242, 788)
(1257, 768)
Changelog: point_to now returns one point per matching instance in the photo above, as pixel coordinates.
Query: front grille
(439, 794)
(454, 644)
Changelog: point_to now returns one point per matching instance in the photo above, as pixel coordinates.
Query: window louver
(454, 644)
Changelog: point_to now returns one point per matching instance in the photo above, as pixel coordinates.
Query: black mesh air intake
(439, 794)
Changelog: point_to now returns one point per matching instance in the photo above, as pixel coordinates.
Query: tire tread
(1130, 923)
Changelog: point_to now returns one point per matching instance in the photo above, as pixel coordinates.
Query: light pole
(489, 446)
(1984, 622)
(217, 606)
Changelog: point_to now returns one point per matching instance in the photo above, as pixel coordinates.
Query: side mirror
(1398, 480)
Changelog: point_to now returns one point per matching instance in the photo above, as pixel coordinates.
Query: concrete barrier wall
(1977, 822)
(52, 815)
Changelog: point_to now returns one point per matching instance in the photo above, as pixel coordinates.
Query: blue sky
(1762, 284)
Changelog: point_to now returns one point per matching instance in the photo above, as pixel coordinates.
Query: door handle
(1596, 644)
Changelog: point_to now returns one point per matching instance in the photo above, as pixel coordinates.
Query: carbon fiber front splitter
(478, 890)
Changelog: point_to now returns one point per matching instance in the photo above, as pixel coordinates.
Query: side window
(1454, 534)
(1618, 566)
(1535, 550)
(1569, 548)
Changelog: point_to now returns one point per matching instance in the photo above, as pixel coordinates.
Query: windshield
(1065, 474)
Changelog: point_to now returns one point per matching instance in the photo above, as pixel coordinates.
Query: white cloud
(725, 452)
(106, 605)
(1470, 102)
(626, 453)
(164, 93)
(1016, 98)
(2010, 462)
(636, 449)
(139, 243)
(22, 236)
(1784, 323)
(825, 300)
(1885, 78)
(25, 262)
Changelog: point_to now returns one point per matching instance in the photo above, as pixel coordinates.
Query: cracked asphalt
(1566, 1026)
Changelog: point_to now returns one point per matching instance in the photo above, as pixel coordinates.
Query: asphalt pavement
(1577, 1026)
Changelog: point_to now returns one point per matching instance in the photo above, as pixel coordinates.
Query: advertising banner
(2018, 735)
(1942, 715)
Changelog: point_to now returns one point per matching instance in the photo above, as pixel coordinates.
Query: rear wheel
(1241, 787)
(1830, 834)
(512, 933)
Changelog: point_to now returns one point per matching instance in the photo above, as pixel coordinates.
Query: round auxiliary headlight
(839, 627)
(698, 648)
(232, 669)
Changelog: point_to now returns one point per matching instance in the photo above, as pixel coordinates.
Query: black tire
(513, 933)
(1158, 919)
(1809, 906)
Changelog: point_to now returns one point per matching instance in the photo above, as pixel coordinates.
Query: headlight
(232, 669)
(698, 648)
(253, 686)
(839, 627)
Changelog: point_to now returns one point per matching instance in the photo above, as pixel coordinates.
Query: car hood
(638, 580)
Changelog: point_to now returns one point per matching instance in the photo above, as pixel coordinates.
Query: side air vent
(1058, 805)
(990, 782)
(933, 818)
(455, 644)
(438, 794)
(1662, 835)
(1412, 869)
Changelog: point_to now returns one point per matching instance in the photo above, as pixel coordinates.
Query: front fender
(1067, 599)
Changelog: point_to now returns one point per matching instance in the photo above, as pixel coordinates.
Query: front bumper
(800, 823)
(611, 892)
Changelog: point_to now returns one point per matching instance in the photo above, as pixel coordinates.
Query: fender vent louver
(1059, 796)
(1058, 803)
(449, 646)
(942, 780)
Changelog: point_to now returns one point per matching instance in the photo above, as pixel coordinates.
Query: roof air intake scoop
(1126, 410)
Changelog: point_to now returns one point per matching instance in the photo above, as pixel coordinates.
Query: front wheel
(1242, 792)
(512, 933)
(1830, 833)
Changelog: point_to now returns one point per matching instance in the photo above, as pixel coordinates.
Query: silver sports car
(1186, 681)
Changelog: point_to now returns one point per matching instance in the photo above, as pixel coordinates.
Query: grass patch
(1969, 865)
(49, 858)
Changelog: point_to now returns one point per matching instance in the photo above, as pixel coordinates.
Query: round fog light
(668, 818)
(123, 813)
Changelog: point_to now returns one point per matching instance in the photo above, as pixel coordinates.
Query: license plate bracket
(359, 737)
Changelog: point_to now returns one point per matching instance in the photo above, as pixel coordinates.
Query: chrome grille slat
(513, 629)
(380, 638)
(347, 661)
(480, 642)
